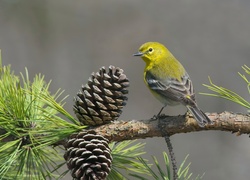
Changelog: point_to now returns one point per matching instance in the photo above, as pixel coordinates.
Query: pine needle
(31, 120)
(125, 157)
(229, 94)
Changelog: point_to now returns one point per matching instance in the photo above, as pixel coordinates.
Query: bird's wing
(173, 89)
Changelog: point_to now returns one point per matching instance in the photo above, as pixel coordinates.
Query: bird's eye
(150, 49)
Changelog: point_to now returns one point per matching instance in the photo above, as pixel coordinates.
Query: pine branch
(140, 129)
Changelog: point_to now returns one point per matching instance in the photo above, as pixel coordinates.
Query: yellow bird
(168, 80)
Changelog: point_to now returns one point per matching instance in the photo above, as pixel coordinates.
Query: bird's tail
(200, 116)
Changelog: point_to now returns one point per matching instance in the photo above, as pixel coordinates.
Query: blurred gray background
(67, 40)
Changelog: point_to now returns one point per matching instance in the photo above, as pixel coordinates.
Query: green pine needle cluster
(31, 121)
(165, 174)
(228, 94)
(125, 158)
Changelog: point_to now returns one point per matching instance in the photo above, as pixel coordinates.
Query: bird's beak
(138, 54)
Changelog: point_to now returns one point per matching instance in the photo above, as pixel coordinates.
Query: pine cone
(88, 156)
(102, 98)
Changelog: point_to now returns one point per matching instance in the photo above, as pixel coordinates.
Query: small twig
(171, 151)
(172, 157)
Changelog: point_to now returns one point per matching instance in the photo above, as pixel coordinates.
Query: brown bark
(140, 129)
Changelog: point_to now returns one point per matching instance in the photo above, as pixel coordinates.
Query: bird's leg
(155, 117)
(160, 111)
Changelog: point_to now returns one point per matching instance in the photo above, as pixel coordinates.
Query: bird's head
(152, 51)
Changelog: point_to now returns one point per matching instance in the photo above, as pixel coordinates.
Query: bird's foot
(156, 117)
